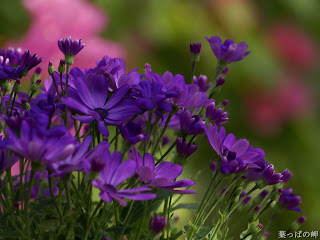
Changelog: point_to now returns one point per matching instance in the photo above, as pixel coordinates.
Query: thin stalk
(67, 79)
(14, 99)
(56, 87)
(91, 218)
(126, 221)
(167, 152)
(145, 207)
(163, 131)
(53, 199)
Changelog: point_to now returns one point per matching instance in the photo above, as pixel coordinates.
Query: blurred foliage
(159, 32)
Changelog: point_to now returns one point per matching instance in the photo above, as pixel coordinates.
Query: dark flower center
(109, 188)
(102, 112)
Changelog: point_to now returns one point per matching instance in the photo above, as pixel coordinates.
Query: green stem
(145, 207)
(91, 218)
(56, 87)
(163, 130)
(167, 152)
(28, 200)
(14, 99)
(54, 200)
(67, 79)
(126, 221)
(9, 101)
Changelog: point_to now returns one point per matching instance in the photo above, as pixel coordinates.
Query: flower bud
(157, 223)
(62, 66)
(51, 69)
(220, 82)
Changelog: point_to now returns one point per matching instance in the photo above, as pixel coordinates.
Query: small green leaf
(190, 206)
(12, 234)
(203, 232)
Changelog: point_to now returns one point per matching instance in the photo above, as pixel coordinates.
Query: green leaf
(190, 206)
(12, 234)
(203, 232)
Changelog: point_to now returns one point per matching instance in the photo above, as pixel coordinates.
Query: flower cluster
(104, 129)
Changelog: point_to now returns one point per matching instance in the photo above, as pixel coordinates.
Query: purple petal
(117, 96)
(124, 171)
(240, 146)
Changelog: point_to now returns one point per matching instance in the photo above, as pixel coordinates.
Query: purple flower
(201, 81)
(157, 223)
(69, 47)
(184, 149)
(189, 96)
(11, 63)
(73, 163)
(30, 61)
(228, 51)
(286, 175)
(150, 95)
(270, 177)
(195, 48)
(289, 200)
(255, 173)
(114, 71)
(191, 125)
(94, 105)
(236, 156)
(216, 115)
(132, 133)
(40, 144)
(113, 174)
(6, 162)
(96, 159)
(14, 119)
(162, 176)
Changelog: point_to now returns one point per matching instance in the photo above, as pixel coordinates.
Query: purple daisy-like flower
(113, 174)
(270, 177)
(191, 125)
(11, 63)
(161, 176)
(40, 144)
(94, 105)
(157, 223)
(201, 81)
(290, 200)
(69, 47)
(14, 119)
(216, 115)
(255, 173)
(96, 159)
(73, 163)
(150, 95)
(114, 71)
(189, 95)
(228, 51)
(236, 155)
(132, 133)
(286, 175)
(29, 60)
(184, 148)
(6, 162)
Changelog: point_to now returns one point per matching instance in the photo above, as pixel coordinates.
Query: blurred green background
(273, 93)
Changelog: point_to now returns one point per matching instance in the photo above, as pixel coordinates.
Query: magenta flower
(228, 51)
(113, 174)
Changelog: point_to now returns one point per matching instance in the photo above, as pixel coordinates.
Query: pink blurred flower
(293, 46)
(53, 20)
(290, 99)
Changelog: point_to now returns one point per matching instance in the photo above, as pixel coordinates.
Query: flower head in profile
(6, 161)
(290, 200)
(157, 223)
(236, 155)
(161, 176)
(69, 47)
(113, 174)
(40, 144)
(216, 115)
(132, 132)
(93, 104)
(201, 81)
(191, 124)
(74, 162)
(228, 51)
(270, 177)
